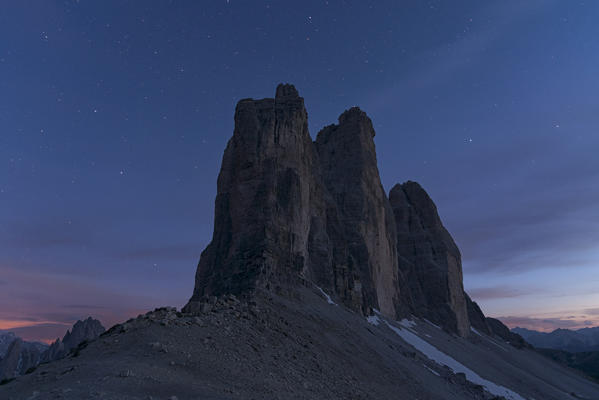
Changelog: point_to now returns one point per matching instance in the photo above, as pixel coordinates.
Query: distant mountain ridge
(6, 339)
(573, 341)
(18, 356)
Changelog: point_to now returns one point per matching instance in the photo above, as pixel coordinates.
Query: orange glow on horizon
(13, 324)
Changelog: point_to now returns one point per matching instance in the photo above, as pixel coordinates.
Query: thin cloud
(169, 252)
(46, 333)
(50, 233)
(84, 306)
(497, 292)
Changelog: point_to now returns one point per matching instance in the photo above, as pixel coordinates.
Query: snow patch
(439, 357)
(406, 323)
(475, 331)
(432, 370)
(326, 296)
(373, 320)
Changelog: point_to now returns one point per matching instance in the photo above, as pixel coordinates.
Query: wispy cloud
(48, 233)
(496, 292)
(42, 300)
(46, 333)
(184, 251)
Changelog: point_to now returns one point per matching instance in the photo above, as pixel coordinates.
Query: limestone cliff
(429, 260)
(287, 209)
(290, 211)
(349, 169)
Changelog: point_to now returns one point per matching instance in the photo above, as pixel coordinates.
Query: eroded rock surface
(429, 260)
(349, 169)
(19, 358)
(82, 331)
(289, 210)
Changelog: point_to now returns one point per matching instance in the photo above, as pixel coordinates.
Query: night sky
(114, 116)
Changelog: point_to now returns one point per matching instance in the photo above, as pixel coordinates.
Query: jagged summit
(82, 330)
(286, 91)
(284, 212)
(290, 211)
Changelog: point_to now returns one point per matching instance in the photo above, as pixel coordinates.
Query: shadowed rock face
(289, 209)
(20, 357)
(349, 169)
(429, 260)
(477, 319)
(262, 210)
(86, 330)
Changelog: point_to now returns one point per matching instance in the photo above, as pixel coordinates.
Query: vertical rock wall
(429, 260)
(280, 214)
(289, 209)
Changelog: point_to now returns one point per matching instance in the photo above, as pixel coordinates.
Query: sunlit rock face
(429, 260)
(290, 210)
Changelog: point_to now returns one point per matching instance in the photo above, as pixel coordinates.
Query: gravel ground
(281, 348)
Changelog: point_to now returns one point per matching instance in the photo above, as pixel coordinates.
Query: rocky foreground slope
(274, 347)
(316, 285)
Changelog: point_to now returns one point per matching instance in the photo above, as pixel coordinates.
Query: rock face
(5, 340)
(82, 331)
(287, 209)
(429, 260)
(349, 169)
(19, 358)
(499, 329)
(477, 319)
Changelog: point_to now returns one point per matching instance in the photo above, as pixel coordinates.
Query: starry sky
(114, 116)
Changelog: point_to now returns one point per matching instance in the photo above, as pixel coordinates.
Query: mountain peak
(289, 210)
(286, 91)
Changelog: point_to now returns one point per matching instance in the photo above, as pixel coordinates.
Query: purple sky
(115, 115)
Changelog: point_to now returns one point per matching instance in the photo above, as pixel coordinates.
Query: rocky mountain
(284, 213)
(573, 341)
(316, 285)
(6, 338)
(82, 331)
(21, 356)
(289, 209)
(578, 349)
